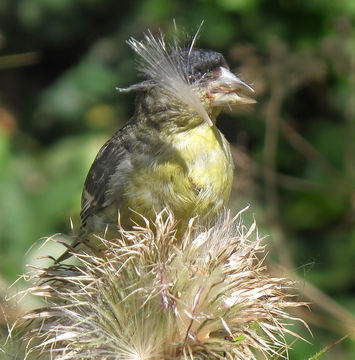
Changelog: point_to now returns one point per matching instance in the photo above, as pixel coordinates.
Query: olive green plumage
(152, 163)
(170, 154)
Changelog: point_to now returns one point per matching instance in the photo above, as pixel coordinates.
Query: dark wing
(98, 179)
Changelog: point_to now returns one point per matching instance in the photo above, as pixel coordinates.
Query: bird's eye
(192, 77)
(216, 72)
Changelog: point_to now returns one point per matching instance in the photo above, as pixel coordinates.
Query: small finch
(170, 154)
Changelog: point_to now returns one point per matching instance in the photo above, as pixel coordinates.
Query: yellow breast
(192, 175)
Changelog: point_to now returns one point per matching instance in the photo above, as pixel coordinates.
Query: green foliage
(29, 183)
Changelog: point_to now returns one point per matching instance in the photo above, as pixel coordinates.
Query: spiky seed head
(152, 296)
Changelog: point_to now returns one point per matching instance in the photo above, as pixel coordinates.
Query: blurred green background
(60, 61)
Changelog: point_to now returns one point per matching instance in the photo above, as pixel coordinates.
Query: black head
(195, 80)
(199, 62)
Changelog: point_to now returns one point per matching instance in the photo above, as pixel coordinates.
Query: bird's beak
(228, 89)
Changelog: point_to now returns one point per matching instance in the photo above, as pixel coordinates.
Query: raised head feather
(167, 66)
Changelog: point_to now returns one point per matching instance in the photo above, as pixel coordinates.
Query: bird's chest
(209, 166)
(191, 175)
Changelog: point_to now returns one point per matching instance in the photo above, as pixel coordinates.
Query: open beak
(228, 90)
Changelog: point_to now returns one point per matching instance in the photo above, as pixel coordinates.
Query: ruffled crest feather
(161, 64)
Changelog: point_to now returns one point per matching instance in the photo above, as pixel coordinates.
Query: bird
(170, 154)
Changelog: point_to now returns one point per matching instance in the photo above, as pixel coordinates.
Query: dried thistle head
(152, 296)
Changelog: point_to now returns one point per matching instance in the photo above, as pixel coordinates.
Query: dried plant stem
(271, 141)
